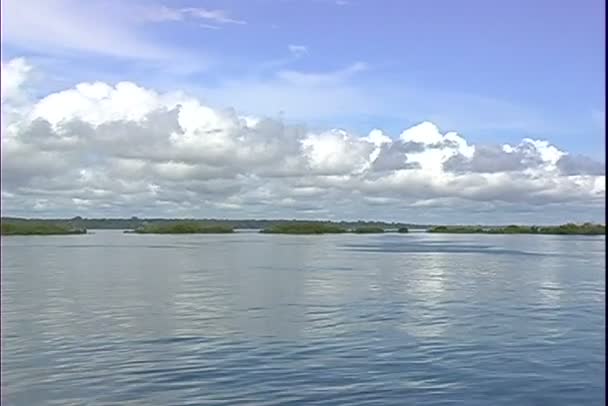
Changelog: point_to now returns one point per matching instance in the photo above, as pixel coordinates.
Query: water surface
(112, 318)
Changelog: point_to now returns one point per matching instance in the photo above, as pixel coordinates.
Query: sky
(420, 111)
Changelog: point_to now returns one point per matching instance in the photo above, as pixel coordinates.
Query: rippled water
(421, 319)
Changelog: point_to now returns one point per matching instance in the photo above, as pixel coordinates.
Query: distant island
(570, 228)
(79, 225)
(183, 228)
(133, 223)
(35, 228)
(368, 230)
(320, 228)
(304, 228)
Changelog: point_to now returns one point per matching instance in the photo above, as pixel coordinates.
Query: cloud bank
(119, 150)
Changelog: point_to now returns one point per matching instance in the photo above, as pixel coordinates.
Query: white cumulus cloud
(121, 149)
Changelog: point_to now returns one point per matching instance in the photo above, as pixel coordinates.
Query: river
(253, 319)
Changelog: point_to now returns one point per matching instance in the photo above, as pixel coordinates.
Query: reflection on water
(112, 318)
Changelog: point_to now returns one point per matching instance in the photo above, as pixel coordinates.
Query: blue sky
(495, 72)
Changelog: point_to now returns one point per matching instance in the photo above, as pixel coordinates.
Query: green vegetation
(304, 228)
(513, 229)
(368, 230)
(318, 228)
(132, 223)
(79, 225)
(570, 229)
(456, 229)
(183, 228)
(39, 229)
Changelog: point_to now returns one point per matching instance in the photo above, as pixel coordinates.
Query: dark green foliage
(304, 228)
(570, 228)
(403, 230)
(39, 229)
(368, 230)
(183, 228)
(439, 229)
(456, 229)
(132, 223)
(79, 225)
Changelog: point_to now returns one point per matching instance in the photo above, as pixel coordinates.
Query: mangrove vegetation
(565, 229)
(79, 225)
(368, 230)
(304, 228)
(183, 228)
(132, 223)
(39, 229)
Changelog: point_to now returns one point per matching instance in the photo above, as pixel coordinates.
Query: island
(456, 229)
(131, 223)
(304, 228)
(183, 228)
(564, 229)
(27, 228)
(368, 230)
(134, 225)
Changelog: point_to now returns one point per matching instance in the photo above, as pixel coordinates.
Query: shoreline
(79, 226)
